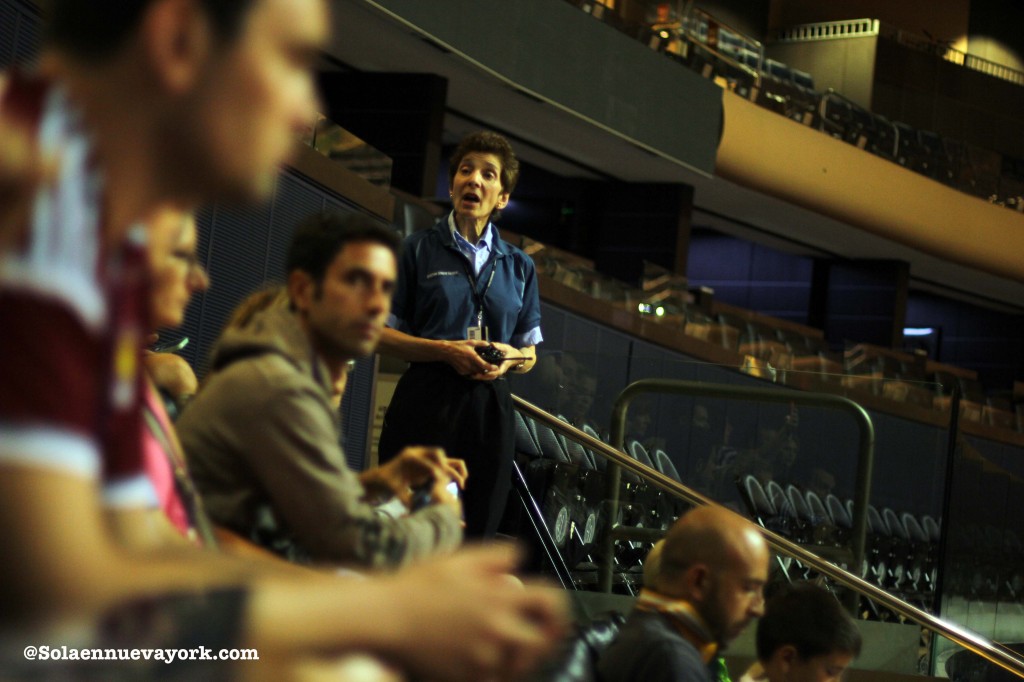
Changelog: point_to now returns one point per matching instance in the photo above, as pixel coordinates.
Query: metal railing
(828, 30)
(707, 33)
(982, 646)
(861, 28)
(946, 52)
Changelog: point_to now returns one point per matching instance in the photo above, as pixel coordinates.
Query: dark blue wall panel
(19, 33)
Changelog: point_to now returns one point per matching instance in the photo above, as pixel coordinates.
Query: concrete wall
(558, 52)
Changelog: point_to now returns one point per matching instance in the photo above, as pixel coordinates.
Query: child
(804, 636)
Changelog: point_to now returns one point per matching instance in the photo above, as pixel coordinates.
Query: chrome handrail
(982, 646)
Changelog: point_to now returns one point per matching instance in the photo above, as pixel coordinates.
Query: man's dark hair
(320, 238)
(93, 30)
(808, 618)
(486, 142)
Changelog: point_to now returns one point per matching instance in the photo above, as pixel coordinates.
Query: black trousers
(471, 420)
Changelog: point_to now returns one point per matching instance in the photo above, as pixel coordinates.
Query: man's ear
(301, 289)
(698, 582)
(785, 656)
(178, 41)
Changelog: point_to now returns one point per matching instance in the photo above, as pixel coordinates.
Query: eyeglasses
(190, 261)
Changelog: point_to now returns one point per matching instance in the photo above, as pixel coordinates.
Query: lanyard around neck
(478, 296)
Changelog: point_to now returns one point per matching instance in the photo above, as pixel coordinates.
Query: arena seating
(709, 47)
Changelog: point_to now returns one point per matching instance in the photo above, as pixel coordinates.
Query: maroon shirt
(72, 317)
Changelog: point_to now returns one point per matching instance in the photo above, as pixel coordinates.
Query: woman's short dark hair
(93, 30)
(486, 142)
(320, 238)
(808, 618)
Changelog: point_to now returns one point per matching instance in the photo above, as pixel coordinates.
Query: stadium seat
(638, 452)
(550, 445)
(577, 453)
(526, 444)
(778, 498)
(760, 504)
(840, 515)
(895, 524)
(665, 465)
(931, 527)
(802, 78)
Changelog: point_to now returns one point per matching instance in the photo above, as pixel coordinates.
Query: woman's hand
(511, 353)
(517, 360)
(465, 360)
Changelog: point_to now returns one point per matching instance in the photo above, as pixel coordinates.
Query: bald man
(705, 588)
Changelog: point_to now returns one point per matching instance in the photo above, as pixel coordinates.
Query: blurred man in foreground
(139, 104)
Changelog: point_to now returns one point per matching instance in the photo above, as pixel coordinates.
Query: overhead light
(648, 309)
(918, 331)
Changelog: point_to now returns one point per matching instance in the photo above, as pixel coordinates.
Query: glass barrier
(341, 146)
(663, 305)
(981, 573)
(792, 468)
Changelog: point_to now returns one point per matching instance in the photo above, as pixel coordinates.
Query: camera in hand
(422, 495)
(491, 354)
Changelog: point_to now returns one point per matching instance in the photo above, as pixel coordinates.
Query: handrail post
(617, 437)
(613, 478)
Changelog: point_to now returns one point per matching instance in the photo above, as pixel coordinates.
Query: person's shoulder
(514, 250)
(266, 390)
(640, 630)
(755, 673)
(517, 254)
(647, 647)
(261, 375)
(650, 622)
(656, 633)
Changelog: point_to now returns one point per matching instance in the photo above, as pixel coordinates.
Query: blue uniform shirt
(478, 254)
(433, 298)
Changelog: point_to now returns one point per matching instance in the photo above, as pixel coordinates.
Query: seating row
(707, 46)
(901, 549)
(568, 484)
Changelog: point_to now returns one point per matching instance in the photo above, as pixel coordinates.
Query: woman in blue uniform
(461, 290)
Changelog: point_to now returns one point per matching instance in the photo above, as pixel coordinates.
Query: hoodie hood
(277, 331)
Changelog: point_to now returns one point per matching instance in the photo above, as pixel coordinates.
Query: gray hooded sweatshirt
(262, 443)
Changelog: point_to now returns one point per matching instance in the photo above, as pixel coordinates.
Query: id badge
(476, 333)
